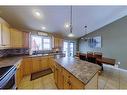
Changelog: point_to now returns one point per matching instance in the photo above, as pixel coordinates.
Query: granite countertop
(8, 61)
(82, 70)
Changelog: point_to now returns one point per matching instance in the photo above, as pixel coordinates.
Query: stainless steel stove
(7, 77)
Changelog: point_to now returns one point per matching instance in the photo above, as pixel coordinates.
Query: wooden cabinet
(27, 65)
(51, 63)
(58, 76)
(66, 83)
(65, 80)
(19, 74)
(16, 38)
(0, 35)
(39, 63)
(58, 42)
(12, 38)
(76, 84)
(71, 82)
(44, 62)
(25, 39)
(4, 36)
(36, 64)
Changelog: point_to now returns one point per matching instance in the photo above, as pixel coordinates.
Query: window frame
(42, 40)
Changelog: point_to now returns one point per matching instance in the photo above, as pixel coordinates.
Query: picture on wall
(95, 42)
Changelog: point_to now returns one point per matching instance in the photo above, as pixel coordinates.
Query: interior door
(65, 48)
(68, 48)
(71, 48)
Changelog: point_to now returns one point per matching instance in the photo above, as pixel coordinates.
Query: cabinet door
(16, 38)
(27, 65)
(0, 36)
(36, 64)
(51, 64)
(66, 83)
(25, 40)
(59, 78)
(55, 74)
(19, 75)
(5, 35)
(56, 42)
(76, 84)
(60, 43)
(44, 63)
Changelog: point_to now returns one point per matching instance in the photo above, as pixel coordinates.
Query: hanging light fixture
(71, 34)
(85, 28)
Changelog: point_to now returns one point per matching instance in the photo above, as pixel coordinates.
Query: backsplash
(12, 52)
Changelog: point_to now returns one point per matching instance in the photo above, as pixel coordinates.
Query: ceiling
(55, 17)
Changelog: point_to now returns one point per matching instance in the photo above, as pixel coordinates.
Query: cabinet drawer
(66, 73)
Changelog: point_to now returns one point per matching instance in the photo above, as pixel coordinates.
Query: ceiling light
(37, 13)
(71, 35)
(67, 25)
(43, 28)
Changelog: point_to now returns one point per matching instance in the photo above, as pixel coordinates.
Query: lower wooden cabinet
(51, 63)
(44, 63)
(66, 83)
(58, 76)
(27, 66)
(71, 82)
(30, 65)
(65, 80)
(19, 74)
(36, 64)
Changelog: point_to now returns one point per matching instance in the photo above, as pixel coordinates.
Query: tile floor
(111, 78)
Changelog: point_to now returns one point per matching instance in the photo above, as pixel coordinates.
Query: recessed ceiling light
(71, 35)
(37, 13)
(43, 28)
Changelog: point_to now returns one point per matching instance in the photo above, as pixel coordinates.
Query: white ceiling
(55, 17)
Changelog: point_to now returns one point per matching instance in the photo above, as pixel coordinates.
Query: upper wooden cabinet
(19, 39)
(25, 39)
(12, 38)
(58, 42)
(16, 38)
(0, 36)
(4, 35)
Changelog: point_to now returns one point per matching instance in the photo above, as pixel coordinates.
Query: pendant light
(71, 34)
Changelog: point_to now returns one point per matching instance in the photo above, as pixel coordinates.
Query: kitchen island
(75, 73)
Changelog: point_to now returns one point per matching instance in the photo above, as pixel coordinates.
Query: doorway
(68, 48)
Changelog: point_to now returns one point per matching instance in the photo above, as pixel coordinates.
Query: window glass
(36, 43)
(40, 43)
(46, 44)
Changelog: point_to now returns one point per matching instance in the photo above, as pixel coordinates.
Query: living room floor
(111, 78)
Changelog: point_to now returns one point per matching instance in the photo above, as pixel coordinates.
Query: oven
(7, 77)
